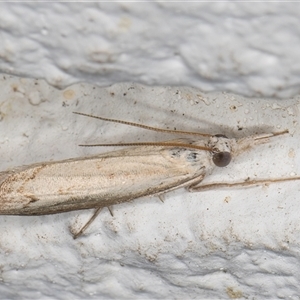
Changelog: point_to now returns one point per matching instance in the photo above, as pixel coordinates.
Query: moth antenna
(145, 126)
(168, 144)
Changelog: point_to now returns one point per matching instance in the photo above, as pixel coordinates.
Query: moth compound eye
(221, 159)
(221, 135)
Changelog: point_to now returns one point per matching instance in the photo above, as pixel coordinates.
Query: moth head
(221, 150)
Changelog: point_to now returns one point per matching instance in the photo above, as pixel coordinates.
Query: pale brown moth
(142, 169)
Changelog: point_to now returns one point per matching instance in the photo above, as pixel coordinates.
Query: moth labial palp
(138, 170)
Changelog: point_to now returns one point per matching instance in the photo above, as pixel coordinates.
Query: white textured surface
(247, 48)
(237, 243)
(225, 244)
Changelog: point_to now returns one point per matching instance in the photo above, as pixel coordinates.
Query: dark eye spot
(221, 159)
(192, 156)
(175, 152)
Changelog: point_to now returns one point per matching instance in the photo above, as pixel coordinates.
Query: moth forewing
(101, 180)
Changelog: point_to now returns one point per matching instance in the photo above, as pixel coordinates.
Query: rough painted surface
(234, 243)
(246, 48)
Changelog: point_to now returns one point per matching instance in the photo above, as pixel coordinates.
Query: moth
(140, 169)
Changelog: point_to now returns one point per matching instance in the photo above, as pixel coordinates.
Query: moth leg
(247, 183)
(110, 210)
(88, 223)
(186, 185)
(193, 184)
(161, 198)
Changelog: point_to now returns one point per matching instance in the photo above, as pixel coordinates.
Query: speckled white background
(240, 243)
(247, 48)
